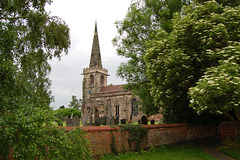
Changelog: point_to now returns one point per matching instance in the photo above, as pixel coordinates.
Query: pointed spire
(95, 60)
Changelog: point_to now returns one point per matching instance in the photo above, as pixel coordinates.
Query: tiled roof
(113, 88)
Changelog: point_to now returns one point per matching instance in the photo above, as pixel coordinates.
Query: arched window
(91, 79)
(102, 79)
(134, 107)
(117, 109)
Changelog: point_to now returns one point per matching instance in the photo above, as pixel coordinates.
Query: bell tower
(95, 76)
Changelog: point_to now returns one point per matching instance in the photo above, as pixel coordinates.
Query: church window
(134, 107)
(91, 79)
(102, 79)
(117, 109)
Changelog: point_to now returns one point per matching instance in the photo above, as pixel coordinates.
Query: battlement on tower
(95, 70)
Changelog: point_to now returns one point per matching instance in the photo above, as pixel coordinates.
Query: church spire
(95, 60)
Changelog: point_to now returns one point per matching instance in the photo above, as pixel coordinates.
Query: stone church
(101, 99)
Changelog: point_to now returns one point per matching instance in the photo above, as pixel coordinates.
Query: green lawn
(167, 152)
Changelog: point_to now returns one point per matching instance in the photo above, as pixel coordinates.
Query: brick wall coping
(114, 128)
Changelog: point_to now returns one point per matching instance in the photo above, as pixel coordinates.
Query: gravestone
(144, 120)
(104, 120)
(69, 121)
(116, 121)
(66, 117)
(129, 121)
(139, 121)
(84, 119)
(91, 119)
(110, 121)
(123, 121)
(97, 121)
(152, 121)
(76, 121)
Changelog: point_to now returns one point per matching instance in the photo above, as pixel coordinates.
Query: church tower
(95, 76)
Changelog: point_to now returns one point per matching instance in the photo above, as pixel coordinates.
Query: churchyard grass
(166, 152)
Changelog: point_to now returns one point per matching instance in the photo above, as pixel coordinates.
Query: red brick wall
(101, 136)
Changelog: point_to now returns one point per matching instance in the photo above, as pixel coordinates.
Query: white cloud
(80, 16)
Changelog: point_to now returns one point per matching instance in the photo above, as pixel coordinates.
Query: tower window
(91, 79)
(102, 79)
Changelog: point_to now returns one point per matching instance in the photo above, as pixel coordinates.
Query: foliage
(29, 38)
(61, 107)
(221, 84)
(140, 25)
(136, 133)
(145, 98)
(75, 103)
(165, 152)
(177, 60)
(231, 147)
(113, 144)
(230, 3)
(30, 133)
(61, 113)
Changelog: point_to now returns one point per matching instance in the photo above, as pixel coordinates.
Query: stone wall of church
(110, 104)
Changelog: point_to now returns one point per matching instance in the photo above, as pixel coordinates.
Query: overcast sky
(80, 16)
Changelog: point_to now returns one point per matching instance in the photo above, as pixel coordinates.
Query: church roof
(113, 88)
(95, 60)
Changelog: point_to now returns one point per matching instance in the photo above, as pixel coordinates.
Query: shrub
(136, 133)
(61, 113)
(30, 133)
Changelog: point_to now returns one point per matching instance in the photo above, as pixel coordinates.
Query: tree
(177, 60)
(29, 38)
(61, 113)
(61, 107)
(221, 84)
(75, 103)
(141, 23)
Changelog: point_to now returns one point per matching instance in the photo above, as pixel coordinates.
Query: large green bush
(61, 113)
(31, 134)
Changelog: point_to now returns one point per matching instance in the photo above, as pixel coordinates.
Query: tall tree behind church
(140, 24)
